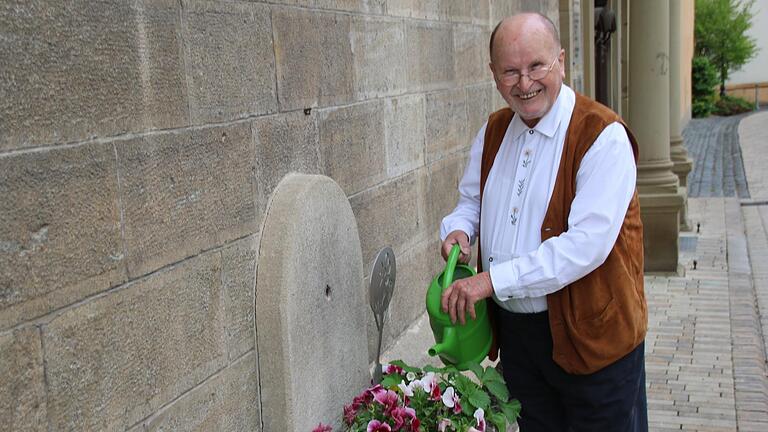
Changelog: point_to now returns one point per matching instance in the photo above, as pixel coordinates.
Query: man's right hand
(462, 239)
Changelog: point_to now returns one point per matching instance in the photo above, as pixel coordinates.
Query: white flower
(410, 376)
(429, 382)
(406, 389)
(480, 417)
(450, 398)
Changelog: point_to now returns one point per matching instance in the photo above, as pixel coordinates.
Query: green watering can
(456, 344)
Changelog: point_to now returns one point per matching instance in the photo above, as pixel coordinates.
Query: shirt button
(530, 131)
(490, 259)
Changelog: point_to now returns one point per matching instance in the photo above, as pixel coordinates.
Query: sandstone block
(239, 283)
(365, 6)
(501, 9)
(419, 9)
(22, 381)
(479, 98)
(548, 8)
(186, 191)
(116, 359)
(311, 306)
(481, 14)
(390, 215)
(471, 56)
(456, 10)
(377, 48)
(429, 49)
(442, 184)
(285, 143)
(59, 229)
(229, 401)
(313, 57)
(447, 129)
(352, 147)
(82, 69)
(230, 60)
(405, 132)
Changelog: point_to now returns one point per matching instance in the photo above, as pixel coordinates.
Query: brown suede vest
(603, 316)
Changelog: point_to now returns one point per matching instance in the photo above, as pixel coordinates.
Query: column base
(661, 226)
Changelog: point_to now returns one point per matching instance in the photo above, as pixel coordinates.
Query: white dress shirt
(524, 270)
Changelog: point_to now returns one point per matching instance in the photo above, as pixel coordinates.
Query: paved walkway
(708, 330)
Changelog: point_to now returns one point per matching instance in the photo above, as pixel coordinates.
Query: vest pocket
(591, 305)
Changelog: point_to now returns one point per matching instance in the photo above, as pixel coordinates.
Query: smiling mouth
(529, 95)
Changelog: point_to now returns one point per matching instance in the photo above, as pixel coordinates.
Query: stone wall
(139, 144)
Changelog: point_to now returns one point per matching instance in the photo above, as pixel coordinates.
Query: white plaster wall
(757, 69)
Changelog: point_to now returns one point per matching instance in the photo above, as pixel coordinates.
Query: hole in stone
(328, 292)
(224, 137)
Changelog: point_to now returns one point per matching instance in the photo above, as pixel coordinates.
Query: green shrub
(732, 105)
(704, 81)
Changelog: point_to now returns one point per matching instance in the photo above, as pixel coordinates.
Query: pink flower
(349, 414)
(390, 369)
(373, 391)
(322, 428)
(377, 426)
(402, 414)
(436, 393)
(388, 399)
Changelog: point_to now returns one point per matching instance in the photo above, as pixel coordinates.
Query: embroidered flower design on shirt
(514, 216)
(520, 186)
(527, 157)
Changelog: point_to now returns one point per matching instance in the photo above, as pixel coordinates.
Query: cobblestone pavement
(706, 345)
(713, 145)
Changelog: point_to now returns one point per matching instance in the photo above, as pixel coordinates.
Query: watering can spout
(447, 346)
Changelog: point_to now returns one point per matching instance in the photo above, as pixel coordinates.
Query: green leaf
(492, 375)
(479, 398)
(499, 421)
(390, 381)
(430, 368)
(511, 410)
(498, 390)
(463, 384)
(477, 370)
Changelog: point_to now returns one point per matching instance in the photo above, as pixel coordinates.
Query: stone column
(660, 200)
(682, 164)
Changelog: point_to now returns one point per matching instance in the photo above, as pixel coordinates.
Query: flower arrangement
(411, 399)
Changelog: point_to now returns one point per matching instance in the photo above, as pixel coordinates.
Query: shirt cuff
(504, 281)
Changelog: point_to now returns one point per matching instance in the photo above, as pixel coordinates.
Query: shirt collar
(549, 123)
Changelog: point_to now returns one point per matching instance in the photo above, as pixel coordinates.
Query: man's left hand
(461, 296)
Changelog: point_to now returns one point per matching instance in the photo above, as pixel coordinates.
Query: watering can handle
(450, 266)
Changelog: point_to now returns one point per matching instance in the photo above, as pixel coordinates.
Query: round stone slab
(311, 306)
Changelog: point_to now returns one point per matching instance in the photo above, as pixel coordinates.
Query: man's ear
(493, 71)
(561, 60)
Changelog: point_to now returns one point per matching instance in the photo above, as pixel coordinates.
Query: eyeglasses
(511, 78)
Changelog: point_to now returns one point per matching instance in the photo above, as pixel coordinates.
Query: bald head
(526, 22)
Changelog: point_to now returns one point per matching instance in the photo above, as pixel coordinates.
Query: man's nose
(525, 83)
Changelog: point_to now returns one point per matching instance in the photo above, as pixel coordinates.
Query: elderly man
(549, 192)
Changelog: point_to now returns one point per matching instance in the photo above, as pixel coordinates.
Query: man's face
(519, 51)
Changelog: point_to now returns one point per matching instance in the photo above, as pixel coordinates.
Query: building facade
(140, 143)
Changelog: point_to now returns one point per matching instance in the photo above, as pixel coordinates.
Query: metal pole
(757, 96)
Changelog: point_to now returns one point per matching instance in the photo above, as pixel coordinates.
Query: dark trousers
(611, 399)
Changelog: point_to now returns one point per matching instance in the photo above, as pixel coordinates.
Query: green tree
(720, 32)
